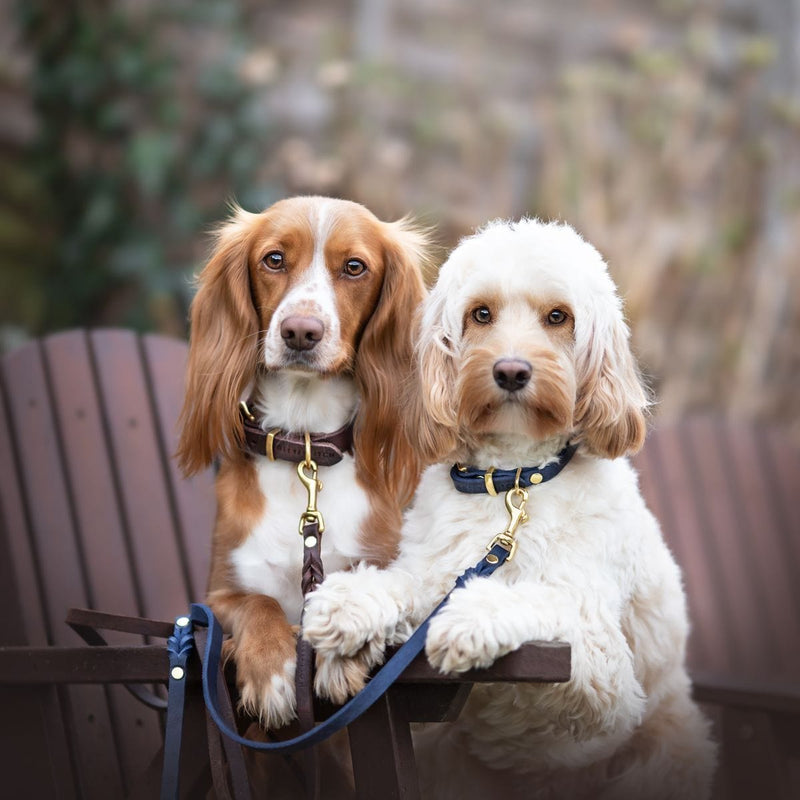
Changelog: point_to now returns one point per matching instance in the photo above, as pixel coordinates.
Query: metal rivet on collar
(182, 622)
(536, 478)
(177, 673)
(492, 558)
(310, 541)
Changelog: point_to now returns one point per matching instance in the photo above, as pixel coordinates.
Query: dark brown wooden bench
(728, 498)
(94, 514)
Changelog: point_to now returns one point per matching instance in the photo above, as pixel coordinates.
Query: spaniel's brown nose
(511, 374)
(302, 333)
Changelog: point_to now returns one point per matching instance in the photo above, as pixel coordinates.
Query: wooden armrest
(539, 661)
(719, 690)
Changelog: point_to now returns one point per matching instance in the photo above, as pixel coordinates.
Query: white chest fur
(270, 560)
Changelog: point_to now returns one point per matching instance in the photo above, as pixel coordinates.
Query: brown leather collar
(326, 448)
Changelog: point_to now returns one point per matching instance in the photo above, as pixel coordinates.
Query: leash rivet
(492, 558)
(310, 541)
(536, 478)
(177, 673)
(182, 622)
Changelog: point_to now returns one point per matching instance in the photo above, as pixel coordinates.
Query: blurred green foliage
(136, 152)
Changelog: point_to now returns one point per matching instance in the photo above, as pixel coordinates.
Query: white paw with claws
(462, 637)
(349, 626)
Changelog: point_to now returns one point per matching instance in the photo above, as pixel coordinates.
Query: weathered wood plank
(57, 554)
(157, 560)
(99, 523)
(194, 499)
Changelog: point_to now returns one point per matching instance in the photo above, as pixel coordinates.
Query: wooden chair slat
(752, 639)
(24, 622)
(91, 477)
(100, 524)
(150, 516)
(53, 540)
(667, 464)
(32, 723)
(35, 757)
(194, 498)
(784, 476)
(383, 753)
(767, 474)
(57, 556)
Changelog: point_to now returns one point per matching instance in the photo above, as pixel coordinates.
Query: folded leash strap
(201, 615)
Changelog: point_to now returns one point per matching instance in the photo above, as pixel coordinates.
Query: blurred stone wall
(667, 132)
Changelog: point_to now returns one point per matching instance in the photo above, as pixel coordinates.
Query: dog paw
(459, 640)
(265, 683)
(339, 678)
(340, 621)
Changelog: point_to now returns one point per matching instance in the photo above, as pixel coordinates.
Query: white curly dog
(523, 349)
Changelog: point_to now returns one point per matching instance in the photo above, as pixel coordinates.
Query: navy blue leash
(182, 642)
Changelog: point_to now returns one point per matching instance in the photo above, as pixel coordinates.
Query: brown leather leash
(311, 529)
(308, 451)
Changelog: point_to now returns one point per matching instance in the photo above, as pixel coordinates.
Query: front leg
(263, 648)
(351, 619)
(487, 619)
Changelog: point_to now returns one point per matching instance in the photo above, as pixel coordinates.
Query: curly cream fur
(591, 566)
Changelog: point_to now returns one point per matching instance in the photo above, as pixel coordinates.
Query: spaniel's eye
(482, 315)
(556, 317)
(273, 261)
(354, 267)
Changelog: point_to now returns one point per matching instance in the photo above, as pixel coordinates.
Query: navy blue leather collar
(474, 480)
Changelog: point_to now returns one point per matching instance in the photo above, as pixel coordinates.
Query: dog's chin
(308, 364)
(507, 414)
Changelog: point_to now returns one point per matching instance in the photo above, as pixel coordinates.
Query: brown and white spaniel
(305, 310)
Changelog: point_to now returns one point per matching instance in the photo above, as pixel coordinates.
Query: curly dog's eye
(273, 261)
(556, 317)
(482, 315)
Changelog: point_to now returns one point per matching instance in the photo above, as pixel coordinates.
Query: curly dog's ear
(431, 410)
(611, 399)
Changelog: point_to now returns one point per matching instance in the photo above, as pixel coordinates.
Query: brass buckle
(311, 514)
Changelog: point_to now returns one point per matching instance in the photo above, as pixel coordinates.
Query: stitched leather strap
(179, 645)
(311, 576)
(326, 448)
(312, 573)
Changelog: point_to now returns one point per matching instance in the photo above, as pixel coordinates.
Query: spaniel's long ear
(222, 352)
(612, 400)
(383, 364)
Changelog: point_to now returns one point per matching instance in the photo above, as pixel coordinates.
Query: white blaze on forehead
(311, 292)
